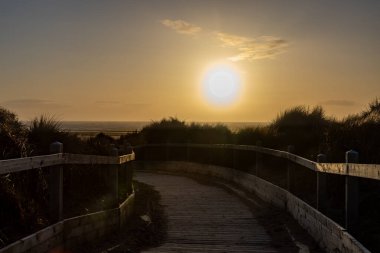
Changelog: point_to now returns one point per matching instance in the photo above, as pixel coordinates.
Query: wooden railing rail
(111, 173)
(309, 180)
(370, 171)
(36, 162)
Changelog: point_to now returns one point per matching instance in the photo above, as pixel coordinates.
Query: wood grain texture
(29, 163)
(36, 162)
(205, 219)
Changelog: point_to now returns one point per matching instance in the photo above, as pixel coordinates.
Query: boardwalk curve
(203, 218)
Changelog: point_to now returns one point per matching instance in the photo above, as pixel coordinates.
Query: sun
(221, 85)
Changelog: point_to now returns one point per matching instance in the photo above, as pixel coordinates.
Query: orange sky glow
(145, 60)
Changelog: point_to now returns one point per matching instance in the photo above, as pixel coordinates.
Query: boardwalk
(205, 219)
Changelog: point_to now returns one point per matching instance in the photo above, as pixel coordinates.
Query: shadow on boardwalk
(204, 218)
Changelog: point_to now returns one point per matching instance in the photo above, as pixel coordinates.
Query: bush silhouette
(173, 130)
(13, 141)
(301, 127)
(360, 132)
(45, 130)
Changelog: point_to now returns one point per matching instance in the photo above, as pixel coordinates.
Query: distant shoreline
(128, 126)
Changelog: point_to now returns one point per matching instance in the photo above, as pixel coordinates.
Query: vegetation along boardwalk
(202, 218)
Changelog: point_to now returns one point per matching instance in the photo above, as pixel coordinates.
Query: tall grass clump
(45, 130)
(169, 130)
(301, 127)
(259, 135)
(209, 134)
(360, 132)
(173, 130)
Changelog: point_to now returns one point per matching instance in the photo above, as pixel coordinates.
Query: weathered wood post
(187, 152)
(128, 169)
(123, 171)
(167, 151)
(114, 179)
(142, 153)
(234, 157)
(56, 185)
(351, 194)
(259, 159)
(289, 169)
(321, 186)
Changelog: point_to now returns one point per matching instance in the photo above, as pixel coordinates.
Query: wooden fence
(309, 180)
(64, 230)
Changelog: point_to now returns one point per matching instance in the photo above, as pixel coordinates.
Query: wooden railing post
(234, 157)
(321, 186)
(167, 151)
(259, 159)
(187, 152)
(128, 172)
(351, 194)
(114, 179)
(289, 169)
(56, 185)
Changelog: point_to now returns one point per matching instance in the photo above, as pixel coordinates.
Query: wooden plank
(36, 162)
(35, 239)
(29, 163)
(371, 171)
(302, 161)
(208, 219)
(90, 159)
(332, 168)
(126, 158)
(94, 159)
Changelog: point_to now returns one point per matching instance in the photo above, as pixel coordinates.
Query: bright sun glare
(221, 85)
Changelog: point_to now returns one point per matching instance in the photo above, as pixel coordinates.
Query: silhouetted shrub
(13, 141)
(100, 144)
(253, 136)
(173, 130)
(21, 193)
(301, 127)
(209, 134)
(360, 132)
(169, 130)
(45, 130)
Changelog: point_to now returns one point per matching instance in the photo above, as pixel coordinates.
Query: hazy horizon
(138, 125)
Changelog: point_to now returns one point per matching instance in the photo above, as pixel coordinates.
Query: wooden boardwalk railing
(316, 183)
(74, 230)
(370, 171)
(306, 179)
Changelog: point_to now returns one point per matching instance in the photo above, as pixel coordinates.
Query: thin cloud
(114, 103)
(339, 102)
(264, 47)
(181, 26)
(107, 102)
(230, 40)
(33, 103)
(252, 49)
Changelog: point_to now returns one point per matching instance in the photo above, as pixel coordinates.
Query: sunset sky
(145, 60)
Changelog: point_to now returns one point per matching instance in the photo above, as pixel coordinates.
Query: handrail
(63, 231)
(28, 163)
(34, 162)
(370, 171)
